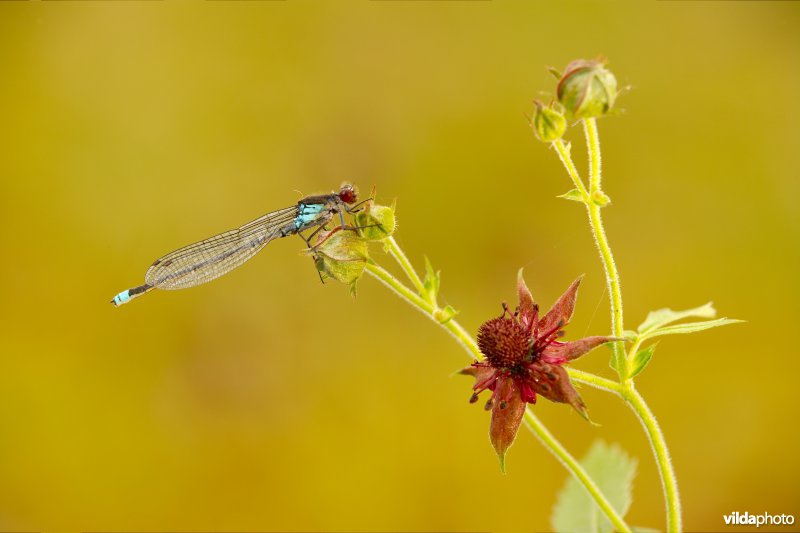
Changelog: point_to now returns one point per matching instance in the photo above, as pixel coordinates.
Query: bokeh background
(266, 401)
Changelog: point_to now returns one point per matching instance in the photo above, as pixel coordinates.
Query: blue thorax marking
(307, 213)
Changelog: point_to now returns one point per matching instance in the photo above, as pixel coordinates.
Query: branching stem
(431, 310)
(625, 388)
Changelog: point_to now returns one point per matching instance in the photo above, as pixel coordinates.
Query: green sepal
(548, 122)
(376, 222)
(555, 72)
(601, 199)
(341, 255)
(641, 359)
(442, 316)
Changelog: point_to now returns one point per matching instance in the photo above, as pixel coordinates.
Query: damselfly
(209, 259)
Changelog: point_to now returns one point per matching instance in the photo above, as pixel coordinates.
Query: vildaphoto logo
(764, 519)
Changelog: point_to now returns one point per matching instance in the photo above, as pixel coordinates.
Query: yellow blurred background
(266, 401)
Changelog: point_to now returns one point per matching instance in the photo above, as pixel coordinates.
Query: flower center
(504, 342)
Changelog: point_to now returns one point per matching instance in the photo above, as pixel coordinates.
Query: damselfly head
(347, 194)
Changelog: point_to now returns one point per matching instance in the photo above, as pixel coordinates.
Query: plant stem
(612, 282)
(659, 446)
(532, 422)
(626, 387)
(569, 462)
(564, 155)
(595, 381)
(400, 256)
(595, 162)
(427, 308)
(610, 267)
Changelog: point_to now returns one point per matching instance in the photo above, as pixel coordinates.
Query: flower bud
(375, 222)
(548, 123)
(341, 255)
(587, 89)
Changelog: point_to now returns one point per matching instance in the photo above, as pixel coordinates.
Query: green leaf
(600, 198)
(613, 471)
(446, 314)
(691, 327)
(662, 317)
(574, 195)
(630, 336)
(431, 282)
(353, 289)
(641, 359)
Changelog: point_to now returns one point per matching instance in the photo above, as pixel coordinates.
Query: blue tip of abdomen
(121, 298)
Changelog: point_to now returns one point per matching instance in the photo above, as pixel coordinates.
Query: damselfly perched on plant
(211, 258)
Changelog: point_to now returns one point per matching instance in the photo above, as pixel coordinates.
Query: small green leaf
(613, 471)
(574, 195)
(353, 288)
(444, 315)
(691, 327)
(662, 317)
(600, 198)
(630, 336)
(431, 281)
(641, 359)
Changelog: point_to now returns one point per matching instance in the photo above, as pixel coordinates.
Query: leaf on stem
(641, 359)
(656, 323)
(691, 327)
(662, 317)
(431, 282)
(443, 316)
(612, 471)
(600, 199)
(574, 195)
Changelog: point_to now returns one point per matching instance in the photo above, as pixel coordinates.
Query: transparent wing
(209, 259)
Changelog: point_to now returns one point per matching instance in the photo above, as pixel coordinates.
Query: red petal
(562, 309)
(560, 352)
(506, 417)
(552, 382)
(527, 307)
(479, 372)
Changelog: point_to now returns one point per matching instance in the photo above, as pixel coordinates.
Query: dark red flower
(524, 357)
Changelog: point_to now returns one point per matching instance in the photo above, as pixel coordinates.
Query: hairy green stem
(599, 232)
(595, 161)
(531, 421)
(564, 155)
(625, 388)
(401, 258)
(612, 282)
(595, 381)
(569, 462)
(427, 308)
(659, 445)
